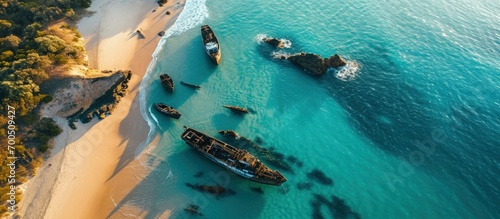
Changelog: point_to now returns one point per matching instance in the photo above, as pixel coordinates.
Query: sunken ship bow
(211, 44)
(236, 160)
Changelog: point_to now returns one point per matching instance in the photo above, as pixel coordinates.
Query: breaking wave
(153, 117)
(280, 54)
(194, 12)
(348, 72)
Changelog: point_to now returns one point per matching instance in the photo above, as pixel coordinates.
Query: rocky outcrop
(315, 64)
(105, 104)
(257, 190)
(274, 42)
(335, 61)
(85, 97)
(312, 63)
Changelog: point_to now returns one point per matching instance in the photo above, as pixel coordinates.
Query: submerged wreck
(236, 109)
(190, 85)
(236, 160)
(230, 133)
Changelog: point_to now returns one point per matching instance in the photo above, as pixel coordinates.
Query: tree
(32, 61)
(5, 27)
(10, 42)
(31, 30)
(50, 44)
(7, 56)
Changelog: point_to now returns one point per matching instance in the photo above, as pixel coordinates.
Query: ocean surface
(410, 129)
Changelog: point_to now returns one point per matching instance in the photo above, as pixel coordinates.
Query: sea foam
(280, 54)
(348, 72)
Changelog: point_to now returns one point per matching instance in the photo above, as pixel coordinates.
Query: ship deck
(237, 160)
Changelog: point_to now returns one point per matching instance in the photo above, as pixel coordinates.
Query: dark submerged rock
(292, 159)
(320, 177)
(337, 207)
(193, 209)
(304, 186)
(257, 190)
(259, 140)
(198, 174)
(299, 164)
(217, 190)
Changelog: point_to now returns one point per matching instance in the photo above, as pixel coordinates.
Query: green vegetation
(35, 44)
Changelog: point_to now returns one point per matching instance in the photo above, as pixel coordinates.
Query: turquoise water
(414, 133)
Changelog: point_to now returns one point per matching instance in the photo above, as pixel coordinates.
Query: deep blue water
(413, 134)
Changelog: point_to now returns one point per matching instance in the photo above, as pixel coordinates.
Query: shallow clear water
(415, 133)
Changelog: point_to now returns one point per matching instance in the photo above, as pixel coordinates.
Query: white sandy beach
(76, 181)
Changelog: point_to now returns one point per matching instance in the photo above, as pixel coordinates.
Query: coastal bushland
(37, 42)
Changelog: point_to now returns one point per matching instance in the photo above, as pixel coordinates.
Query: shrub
(43, 148)
(47, 98)
(49, 127)
(60, 59)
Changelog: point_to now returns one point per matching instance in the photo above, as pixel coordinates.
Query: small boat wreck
(236, 109)
(211, 44)
(190, 85)
(236, 160)
(167, 82)
(167, 110)
(229, 133)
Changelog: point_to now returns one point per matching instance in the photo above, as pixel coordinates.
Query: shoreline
(92, 168)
